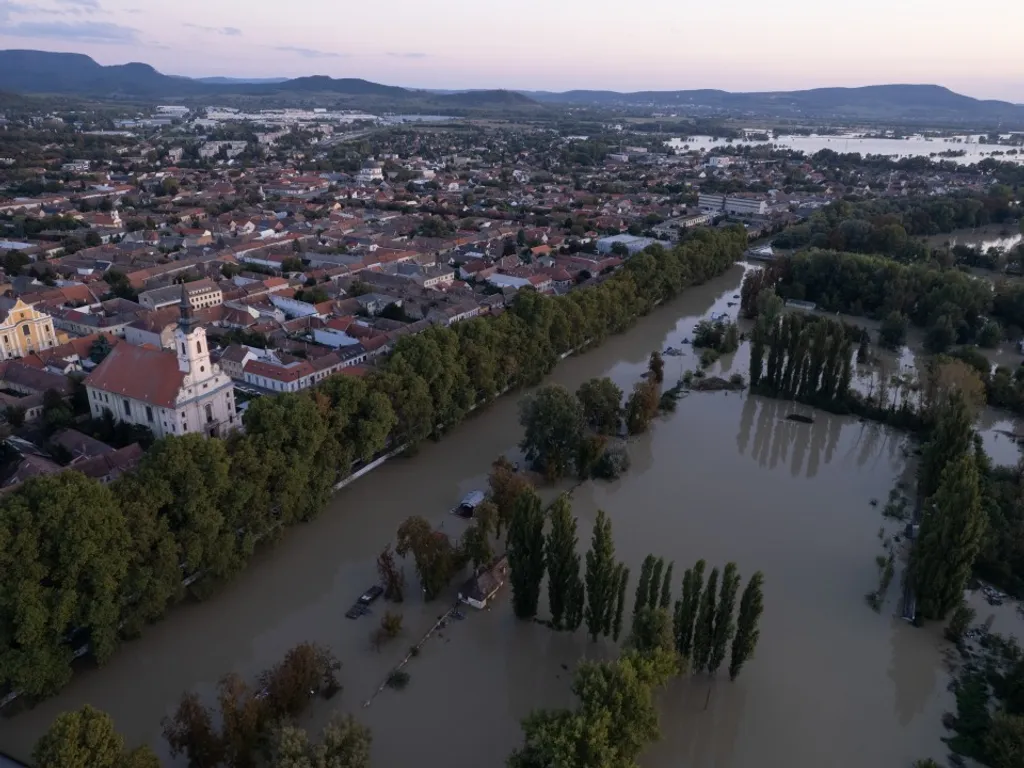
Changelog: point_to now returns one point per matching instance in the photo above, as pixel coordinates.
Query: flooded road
(725, 477)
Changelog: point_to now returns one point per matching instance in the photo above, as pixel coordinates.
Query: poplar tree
(526, 554)
(952, 532)
(747, 632)
(725, 626)
(643, 589)
(600, 577)
(666, 588)
(620, 601)
(688, 608)
(563, 562)
(704, 629)
(654, 589)
(952, 438)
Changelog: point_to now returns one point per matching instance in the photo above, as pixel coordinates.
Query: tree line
(892, 226)
(83, 563)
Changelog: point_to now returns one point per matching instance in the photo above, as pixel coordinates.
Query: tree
(287, 685)
(1004, 742)
(99, 349)
(960, 622)
(642, 406)
(475, 544)
(620, 600)
(952, 438)
(990, 335)
(563, 561)
(432, 553)
(686, 608)
(526, 555)
(704, 629)
(652, 630)
(952, 532)
(940, 336)
(643, 587)
(601, 400)
(725, 626)
(892, 334)
(506, 486)
(654, 590)
(343, 744)
(656, 367)
(747, 633)
(601, 574)
(665, 600)
(553, 422)
(190, 732)
(86, 739)
(391, 576)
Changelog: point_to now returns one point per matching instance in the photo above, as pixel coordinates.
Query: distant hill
(40, 72)
(927, 102)
(74, 74)
(496, 98)
(240, 80)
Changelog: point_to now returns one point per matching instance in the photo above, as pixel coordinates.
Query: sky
(742, 45)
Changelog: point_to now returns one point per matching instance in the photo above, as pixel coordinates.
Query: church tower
(190, 344)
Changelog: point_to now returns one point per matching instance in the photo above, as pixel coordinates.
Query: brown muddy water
(725, 477)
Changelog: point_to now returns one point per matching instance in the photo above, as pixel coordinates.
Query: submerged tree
(725, 626)
(687, 607)
(563, 562)
(620, 601)
(432, 553)
(665, 599)
(601, 577)
(704, 629)
(391, 576)
(747, 632)
(526, 555)
(656, 367)
(601, 400)
(552, 420)
(505, 486)
(952, 531)
(86, 739)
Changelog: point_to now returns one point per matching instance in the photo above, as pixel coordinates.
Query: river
(914, 146)
(725, 477)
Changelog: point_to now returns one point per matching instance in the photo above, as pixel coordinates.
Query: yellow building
(24, 329)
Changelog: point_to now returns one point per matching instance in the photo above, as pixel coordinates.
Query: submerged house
(484, 585)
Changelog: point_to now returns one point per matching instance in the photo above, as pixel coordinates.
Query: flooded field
(725, 477)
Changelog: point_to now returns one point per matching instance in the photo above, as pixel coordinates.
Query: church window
(183, 348)
(127, 408)
(149, 414)
(199, 347)
(27, 330)
(209, 413)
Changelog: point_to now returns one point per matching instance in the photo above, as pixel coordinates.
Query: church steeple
(187, 318)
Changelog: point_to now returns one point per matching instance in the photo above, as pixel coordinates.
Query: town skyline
(442, 46)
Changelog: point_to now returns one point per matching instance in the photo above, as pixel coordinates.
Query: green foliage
(952, 532)
(704, 628)
(433, 554)
(601, 400)
(720, 335)
(725, 625)
(656, 367)
(601, 578)
(875, 286)
(960, 622)
(563, 562)
(620, 601)
(552, 420)
(665, 598)
(344, 743)
(526, 554)
(809, 360)
(687, 607)
(892, 334)
(86, 739)
(642, 406)
(747, 633)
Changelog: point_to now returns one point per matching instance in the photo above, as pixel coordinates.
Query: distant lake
(916, 146)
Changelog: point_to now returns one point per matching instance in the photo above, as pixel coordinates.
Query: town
(223, 314)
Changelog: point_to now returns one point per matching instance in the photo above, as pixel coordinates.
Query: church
(171, 393)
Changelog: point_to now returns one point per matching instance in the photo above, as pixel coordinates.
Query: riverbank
(725, 477)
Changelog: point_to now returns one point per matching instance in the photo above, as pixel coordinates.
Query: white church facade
(172, 393)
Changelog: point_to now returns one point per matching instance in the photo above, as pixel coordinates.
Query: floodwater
(914, 146)
(991, 236)
(725, 477)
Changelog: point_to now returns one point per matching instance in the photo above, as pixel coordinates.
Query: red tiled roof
(142, 373)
